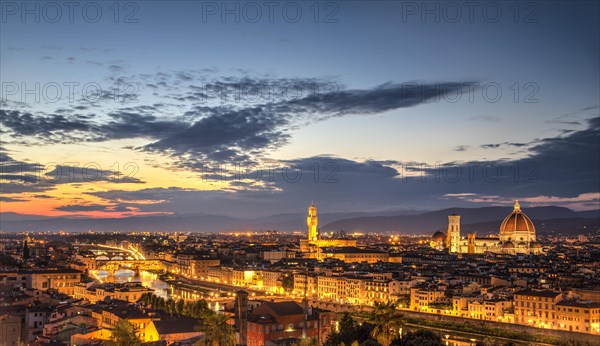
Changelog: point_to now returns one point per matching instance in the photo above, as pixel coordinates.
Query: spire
(517, 206)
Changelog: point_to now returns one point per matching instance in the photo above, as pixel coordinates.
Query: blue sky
(549, 52)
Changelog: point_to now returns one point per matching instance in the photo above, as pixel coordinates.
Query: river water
(147, 279)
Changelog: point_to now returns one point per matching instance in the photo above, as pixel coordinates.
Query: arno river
(215, 296)
(147, 279)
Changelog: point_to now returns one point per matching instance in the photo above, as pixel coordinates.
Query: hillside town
(278, 288)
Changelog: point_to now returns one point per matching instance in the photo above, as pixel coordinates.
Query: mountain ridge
(410, 221)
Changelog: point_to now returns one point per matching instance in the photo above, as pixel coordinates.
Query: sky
(248, 109)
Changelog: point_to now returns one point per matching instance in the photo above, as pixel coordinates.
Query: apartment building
(536, 307)
(578, 316)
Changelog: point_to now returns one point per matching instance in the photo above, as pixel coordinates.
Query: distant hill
(483, 220)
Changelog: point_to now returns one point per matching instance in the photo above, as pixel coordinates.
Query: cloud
(19, 176)
(571, 118)
(204, 129)
(84, 207)
(460, 195)
(559, 167)
(225, 132)
(47, 128)
(504, 144)
(11, 199)
(228, 134)
(487, 118)
(61, 174)
(462, 148)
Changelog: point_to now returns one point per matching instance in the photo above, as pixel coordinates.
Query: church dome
(438, 236)
(517, 221)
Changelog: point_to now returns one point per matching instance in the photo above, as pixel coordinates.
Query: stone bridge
(112, 266)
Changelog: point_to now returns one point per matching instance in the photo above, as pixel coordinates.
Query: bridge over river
(111, 265)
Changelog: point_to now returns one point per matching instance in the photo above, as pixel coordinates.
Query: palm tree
(124, 333)
(387, 322)
(217, 331)
(307, 342)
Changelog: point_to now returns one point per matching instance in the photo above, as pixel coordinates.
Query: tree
(307, 342)
(421, 337)
(200, 309)
(179, 306)
(217, 331)
(124, 333)
(170, 307)
(350, 332)
(487, 341)
(287, 282)
(387, 322)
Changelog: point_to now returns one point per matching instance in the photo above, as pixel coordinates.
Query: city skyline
(295, 173)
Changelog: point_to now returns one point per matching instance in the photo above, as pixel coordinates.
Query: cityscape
(299, 173)
(281, 288)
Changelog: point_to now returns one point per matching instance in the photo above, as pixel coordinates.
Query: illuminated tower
(453, 235)
(311, 221)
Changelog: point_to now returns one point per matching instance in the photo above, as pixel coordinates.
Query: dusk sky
(395, 107)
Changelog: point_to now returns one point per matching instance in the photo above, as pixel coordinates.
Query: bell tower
(312, 221)
(453, 234)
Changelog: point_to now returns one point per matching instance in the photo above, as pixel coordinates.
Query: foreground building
(277, 321)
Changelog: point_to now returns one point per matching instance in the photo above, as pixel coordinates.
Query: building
(129, 292)
(275, 256)
(15, 278)
(438, 241)
(196, 267)
(35, 318)
(578, 316)
(63, 280)
(171, 329)
(273, 321)
(305, 284)
(250, 278)
(110, 312)
(353, 254)
(312, 245)
(272, 281)
(327, 287)
(376, 290)
(10, 330)
(423, 298)
(489, 310)
(536, 308)
(517, 236)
